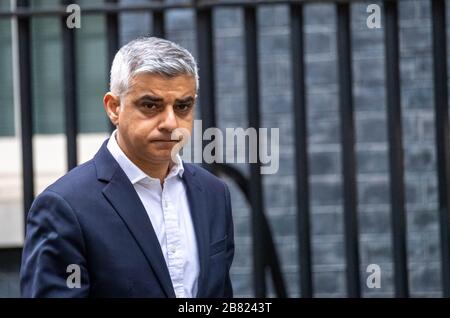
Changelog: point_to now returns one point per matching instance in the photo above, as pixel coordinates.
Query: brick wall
(324, 138)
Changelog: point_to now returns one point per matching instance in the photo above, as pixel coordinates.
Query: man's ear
(111, 103)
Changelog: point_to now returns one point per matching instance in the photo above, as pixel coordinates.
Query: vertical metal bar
(256, 190)
(15, 68)
(301, 149)
(205, 47)
(112, 27)
(70, 90)
(158, 28)
(396, 165)
(112, 31)
(26, 107)
(348, 151)
(442, 134)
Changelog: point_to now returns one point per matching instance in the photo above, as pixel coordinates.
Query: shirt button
(173, 249)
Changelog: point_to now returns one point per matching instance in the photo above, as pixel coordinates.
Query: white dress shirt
(169, 213)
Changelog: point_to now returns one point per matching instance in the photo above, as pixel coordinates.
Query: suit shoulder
(205, 176)
(79, 178)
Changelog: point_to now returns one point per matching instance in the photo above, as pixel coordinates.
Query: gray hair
(150, 55)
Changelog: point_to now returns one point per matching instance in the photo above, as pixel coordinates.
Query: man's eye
(183, 107)
(149, 106)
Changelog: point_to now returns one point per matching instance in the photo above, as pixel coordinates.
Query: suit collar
(105, 165)
(121, 195)
(198, 205)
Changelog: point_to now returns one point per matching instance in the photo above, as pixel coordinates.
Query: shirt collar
(133, 172)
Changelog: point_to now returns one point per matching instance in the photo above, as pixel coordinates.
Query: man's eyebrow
(150, 98)
(188, 99)
(156, 99)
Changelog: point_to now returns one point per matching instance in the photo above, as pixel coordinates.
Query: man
(132, 221)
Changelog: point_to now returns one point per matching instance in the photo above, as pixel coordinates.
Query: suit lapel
(120, 193)
(198, 206)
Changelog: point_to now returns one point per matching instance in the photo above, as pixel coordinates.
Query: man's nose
(169, 120)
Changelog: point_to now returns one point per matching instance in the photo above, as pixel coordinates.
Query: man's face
(151, 110)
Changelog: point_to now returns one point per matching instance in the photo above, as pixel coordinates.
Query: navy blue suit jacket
(93, 217)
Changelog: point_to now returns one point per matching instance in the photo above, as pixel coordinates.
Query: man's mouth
(165, 140)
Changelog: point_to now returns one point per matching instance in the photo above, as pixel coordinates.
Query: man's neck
(157, 171)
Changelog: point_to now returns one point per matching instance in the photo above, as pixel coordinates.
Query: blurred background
(362, 113)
